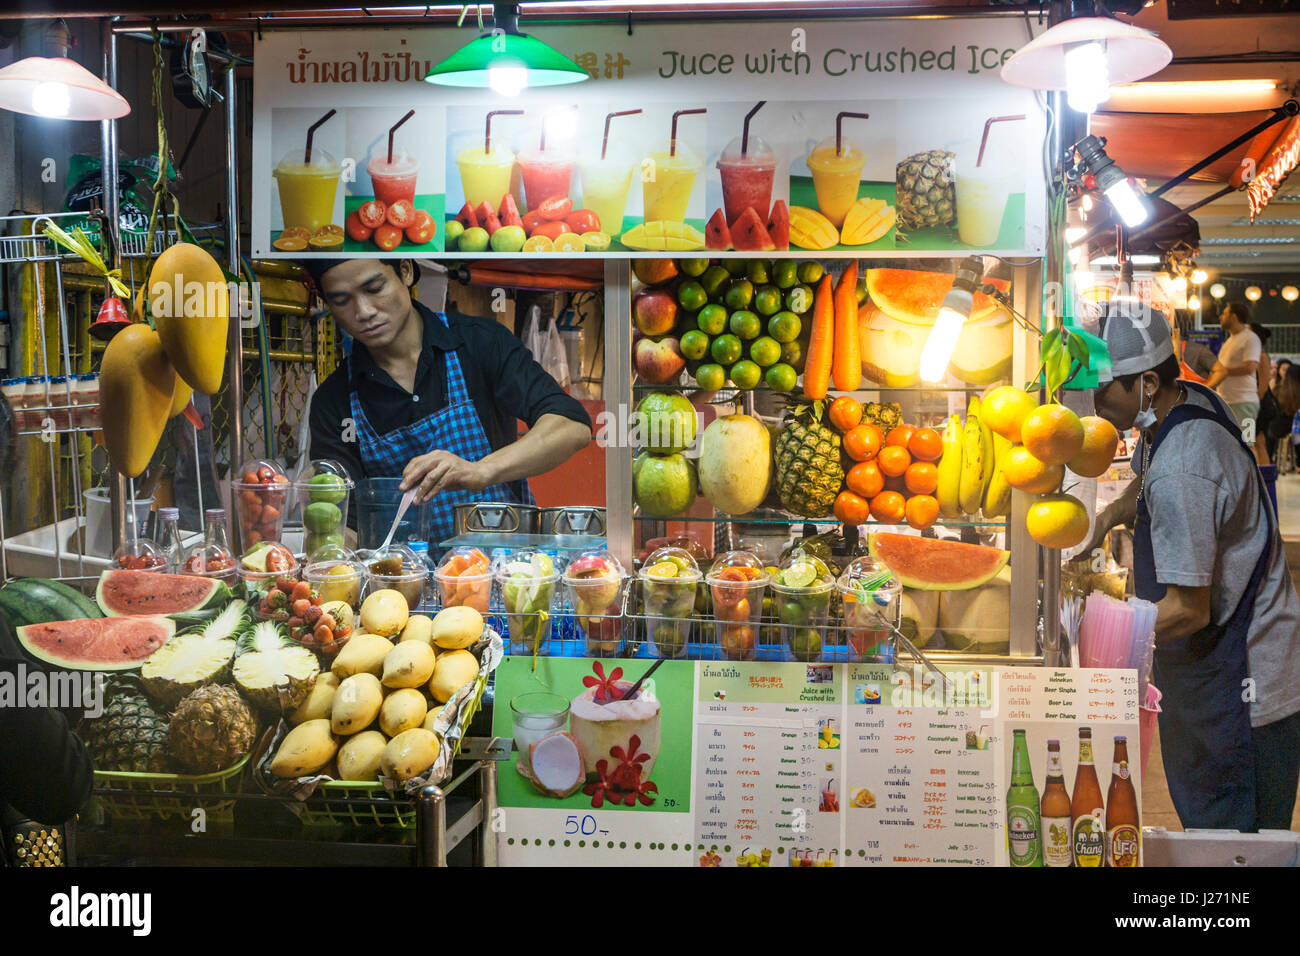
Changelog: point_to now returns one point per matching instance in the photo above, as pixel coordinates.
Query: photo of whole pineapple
(926, 196)
(808, 469)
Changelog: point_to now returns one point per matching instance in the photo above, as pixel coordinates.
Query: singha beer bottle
(1088, 827)
(1054, 812)
(1121, 812)
(1025, 843)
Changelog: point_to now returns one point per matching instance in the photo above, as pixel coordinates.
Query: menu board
(836, 137)
(829, 765)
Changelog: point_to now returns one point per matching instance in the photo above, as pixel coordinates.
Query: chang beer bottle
(1024, 843)
(1054, 812)
(1086, 813)
(1122, 840)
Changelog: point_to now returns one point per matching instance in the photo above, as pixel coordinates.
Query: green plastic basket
(162, 796)
(348, 802)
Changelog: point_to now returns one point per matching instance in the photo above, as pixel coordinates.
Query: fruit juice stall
(833, 455)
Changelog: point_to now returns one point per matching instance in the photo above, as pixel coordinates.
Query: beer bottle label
(1122, 845)
(1022, 833)
(1089, 840)
(1122, 770)
(1056, 841)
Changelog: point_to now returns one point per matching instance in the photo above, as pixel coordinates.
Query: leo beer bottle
(1054, 812)
(1024, 841)
(1087, 818)
(1122, 829)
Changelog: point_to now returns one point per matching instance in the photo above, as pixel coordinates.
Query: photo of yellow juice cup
(836, 176)
(605, 185)
(666, 185)
(982, 193)
(485, 176)
(307, 189)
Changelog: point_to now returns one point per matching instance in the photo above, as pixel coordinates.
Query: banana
(990, 458)
(950, 469)
(997, 499)
(970, 492)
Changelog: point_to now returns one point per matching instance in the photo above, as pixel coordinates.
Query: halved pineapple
(272, 671)
(188, 661)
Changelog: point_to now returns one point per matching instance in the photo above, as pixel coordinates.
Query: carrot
(847, 363)
(821, 342)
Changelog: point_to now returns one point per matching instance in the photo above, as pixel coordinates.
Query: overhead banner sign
(889, 137)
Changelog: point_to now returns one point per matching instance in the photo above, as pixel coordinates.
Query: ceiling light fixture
(505, 60)
(1253, 293)
(58, 88)
(1290, 293)
(1199, 276)
(1218, 290)
(1127, 200)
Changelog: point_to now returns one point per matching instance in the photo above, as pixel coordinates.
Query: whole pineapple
(808, 470)
(211, 729)
(925, 192)
(129, 735)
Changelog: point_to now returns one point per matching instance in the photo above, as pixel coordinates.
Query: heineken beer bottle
(1024, 841)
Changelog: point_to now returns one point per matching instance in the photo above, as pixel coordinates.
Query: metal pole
(487, 842)
(619, 526)
(117, 488)
(431, 827)
(234, 340)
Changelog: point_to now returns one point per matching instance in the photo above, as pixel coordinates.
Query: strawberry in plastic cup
(259, 495)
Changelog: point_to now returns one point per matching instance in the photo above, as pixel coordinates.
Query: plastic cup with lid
(872, 599)
(801, 593)
(308, 188)
(736, 582)
(747, 178)
(398, 569)
(527, 582)
(464, 579)
(593, 585)
(668, 581)
(322, 491)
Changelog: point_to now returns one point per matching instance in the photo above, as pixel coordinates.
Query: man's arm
(1243, 368)
(1123, 510)
(1182, 611)
(333, 433)
(1217, 375)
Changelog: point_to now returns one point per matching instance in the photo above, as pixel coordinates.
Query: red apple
(654, 311)
(659, 361)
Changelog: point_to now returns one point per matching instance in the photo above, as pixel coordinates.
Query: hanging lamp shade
(531, 62)
(58, 88)
(1131, 53)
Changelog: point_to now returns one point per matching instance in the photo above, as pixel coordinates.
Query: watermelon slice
(97, 644)
(929, 564)
(778, 224)
(509, 211)
(466, 217)
(909, 295)
(123, 593)
(749, 234)
(716, 234)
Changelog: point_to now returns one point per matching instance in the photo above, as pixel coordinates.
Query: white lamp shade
(1131, 53)
(1253, 293)
(1218, 290)
(1290, 293)
(60, 89)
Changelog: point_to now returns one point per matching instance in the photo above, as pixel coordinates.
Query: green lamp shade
(469, 66)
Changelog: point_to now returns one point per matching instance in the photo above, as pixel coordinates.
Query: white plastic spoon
(401, 511)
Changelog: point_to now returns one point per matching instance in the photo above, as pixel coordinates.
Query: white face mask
(1146, 416)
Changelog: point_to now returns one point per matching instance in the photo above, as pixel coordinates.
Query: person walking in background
(1234, 375)
(1269, 412)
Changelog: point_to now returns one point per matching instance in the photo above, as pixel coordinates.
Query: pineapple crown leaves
(231, 623)
(265, 637)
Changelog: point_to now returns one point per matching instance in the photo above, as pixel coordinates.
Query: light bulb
(939, 346)
(1178, 283)
(1218, 290)
(1290, 293)
(1087, 76)
(1087, 202)
(1199, 276)
(51, 99)
(1194, 303)
(1127, 203)
(1253, 293)
(507, 80)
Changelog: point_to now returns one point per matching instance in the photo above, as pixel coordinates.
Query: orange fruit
(1004, 410)
(845, 413)
(925, 445)
(921, 478)
(921, 511)
(888, 507)
(1052, 433)
(862, 442)
(1057, 521)
(865, 479)
(1100, 439)
(900, 436)
(893, 460)
(1024, 472)
(851, 508)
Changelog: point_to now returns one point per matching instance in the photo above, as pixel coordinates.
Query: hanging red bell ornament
(112, 318)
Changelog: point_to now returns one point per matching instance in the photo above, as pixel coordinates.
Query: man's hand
(442, 471)
(1182, 611)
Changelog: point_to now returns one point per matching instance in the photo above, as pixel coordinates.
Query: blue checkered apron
(456, 429)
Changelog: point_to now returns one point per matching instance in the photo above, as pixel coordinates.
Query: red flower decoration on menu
(606, 687)
(604, 787)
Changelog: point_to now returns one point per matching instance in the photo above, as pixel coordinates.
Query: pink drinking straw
(839, 130)
(744, 131)
(604, 143)
(985, 138)
(672, 143)
(487, 126)
(393, 129)
(311, 131)
(541, 145)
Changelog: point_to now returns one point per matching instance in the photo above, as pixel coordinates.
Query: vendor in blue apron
(1207, 552)
(434, 398)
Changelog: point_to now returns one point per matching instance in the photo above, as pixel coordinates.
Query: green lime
(735, 267)
(792, 353)
(739, 294)
(321, 517)
(767, 300)
(781, 377)
(785, 273)
(725, 349)
(799, 299)
(693, 267)
(712, 319)
(745, 324)
(713, 280)
(711, 377)
(799, 574)
(758, 272)
(694, 344)
(792, 612)
(862, 289)
(810, 271)
(451, 235)
(745, 374)
(691, 295)
(784, 327)
(806, 645)
(765, 350)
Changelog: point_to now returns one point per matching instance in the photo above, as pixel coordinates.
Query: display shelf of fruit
(593, 584)
(399, 569)
(801, 591)
(527, 581)
(736, 583)
(464, 578)
(668, 584)
(259, 497)
(322, 490)
(554, 226)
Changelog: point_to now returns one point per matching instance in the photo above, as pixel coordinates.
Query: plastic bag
(547, 347)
